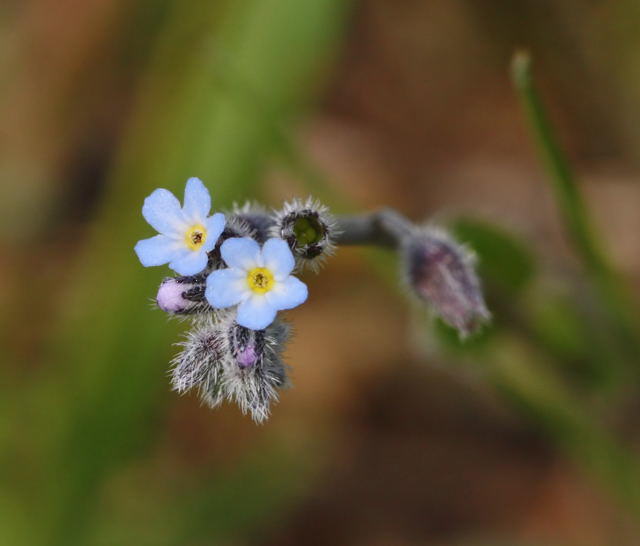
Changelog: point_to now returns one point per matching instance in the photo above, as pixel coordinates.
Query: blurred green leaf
(615, 298)
(231, 499)
(504, 262)
(535, 390)
(237, 504)
(112, 348)
(559, 324)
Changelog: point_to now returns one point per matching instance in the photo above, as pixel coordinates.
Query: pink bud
(170, 296)
(247, 356)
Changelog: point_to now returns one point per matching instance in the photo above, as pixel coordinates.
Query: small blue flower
(186, 233)
(257, 280)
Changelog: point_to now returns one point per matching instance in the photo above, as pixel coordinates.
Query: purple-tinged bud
(254, 371)
(442, 272)
(247, 357)
(309, 230)
(183, 295)
(227, 361)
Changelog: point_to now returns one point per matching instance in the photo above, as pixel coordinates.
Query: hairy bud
(226, 361)
(199, 364)
(183, 295)
(441, 272)
(309, 230)
(254, 371)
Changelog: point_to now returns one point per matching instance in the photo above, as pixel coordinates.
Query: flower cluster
(235, 274)
(236, 271)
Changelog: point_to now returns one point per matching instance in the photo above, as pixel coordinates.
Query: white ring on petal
(255, 313)
(162, 211)
(278, 258)
(227, 287)
(241, 252)
(287, 294)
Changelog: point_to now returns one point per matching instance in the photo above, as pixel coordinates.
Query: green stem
(515, 369)
(573, 210)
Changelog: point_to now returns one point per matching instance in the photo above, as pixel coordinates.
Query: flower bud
(225, 360)
(442, 272)
(183, 295)
(309, 230)
(199, 364)
(254, 371)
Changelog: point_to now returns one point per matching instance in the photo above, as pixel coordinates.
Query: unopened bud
(442, 272)
(227, 361)
(254, 371)
(199, 364)
(309, 230)
(183, 295)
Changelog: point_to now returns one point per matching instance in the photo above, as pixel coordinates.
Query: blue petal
(162, 210)
(241, 253)
(255, 313)
(197, 201)
(158, 250)
(215, 227)
(278, 258)
(194, 262)
(226, 287)
(287, 294)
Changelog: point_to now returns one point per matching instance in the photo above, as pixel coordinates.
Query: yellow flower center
(260, 280)
(195, 236)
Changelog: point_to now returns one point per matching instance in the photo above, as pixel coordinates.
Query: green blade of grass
(112, 347)
(573, 210)
(515, 369)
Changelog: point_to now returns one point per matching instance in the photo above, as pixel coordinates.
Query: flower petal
(278, 258)
(226, 287)
(194, 262)
(197, 201)
(215, 227)
(287, 294)
(162, 210)
(241, 252)
(158, 250)
(256, 313)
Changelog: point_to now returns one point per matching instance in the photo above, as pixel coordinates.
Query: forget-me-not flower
(258, 280)
(187, 233)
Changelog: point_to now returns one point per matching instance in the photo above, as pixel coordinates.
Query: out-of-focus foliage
(105, 101)
(106, 343)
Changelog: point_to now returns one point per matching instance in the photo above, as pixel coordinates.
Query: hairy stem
(385, 228)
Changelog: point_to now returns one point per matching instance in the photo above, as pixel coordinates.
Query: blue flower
(186, 233)
(257, 280)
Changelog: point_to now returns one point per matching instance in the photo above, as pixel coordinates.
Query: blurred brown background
(385, 439)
